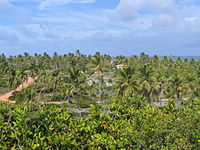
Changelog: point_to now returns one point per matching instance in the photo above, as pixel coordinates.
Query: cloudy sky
(115, 27)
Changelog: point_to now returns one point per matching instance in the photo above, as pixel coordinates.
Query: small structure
(120, 66)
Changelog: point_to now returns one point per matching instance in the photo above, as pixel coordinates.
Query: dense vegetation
(74, 77)
(126, 117)
(132, 126)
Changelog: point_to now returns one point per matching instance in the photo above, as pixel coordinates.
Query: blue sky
(115, 27)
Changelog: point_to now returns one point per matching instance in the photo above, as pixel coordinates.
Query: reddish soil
(28, 82)
(53, 102)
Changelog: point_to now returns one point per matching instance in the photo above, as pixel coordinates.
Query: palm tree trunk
(160, 94)
(147, 95)
(69, 99)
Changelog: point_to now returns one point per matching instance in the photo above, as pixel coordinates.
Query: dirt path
(28, 82)
(53, 102)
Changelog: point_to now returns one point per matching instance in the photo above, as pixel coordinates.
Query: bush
(122, 127)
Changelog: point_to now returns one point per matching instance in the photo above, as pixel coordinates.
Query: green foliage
(81, 80)
(124, 126)
(71, 75)
(27, 95)
(83, 101)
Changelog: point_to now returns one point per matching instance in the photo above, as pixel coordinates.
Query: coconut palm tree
(72, 83)
(97, 66)
(11, 77)
(22, 75)
(126, 84)
(176, 87)
(147, 82)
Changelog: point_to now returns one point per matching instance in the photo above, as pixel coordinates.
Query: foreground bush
(120, 127)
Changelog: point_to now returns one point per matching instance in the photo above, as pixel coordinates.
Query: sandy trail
(28, 82)
(53, 102)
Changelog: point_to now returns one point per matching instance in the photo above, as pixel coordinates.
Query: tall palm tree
(22, 75)
(176, 86)
(72, 83)
(162, 83)
(11, 77)
(126, 84)
(97, 64)
(147, 82)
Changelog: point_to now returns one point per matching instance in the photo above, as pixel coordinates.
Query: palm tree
(33, 69)
(126, 83)
(22, 75)
(176, 86)
(11, 77)
(97, 65)
(162, 83)
(147, 82)
(72, 83)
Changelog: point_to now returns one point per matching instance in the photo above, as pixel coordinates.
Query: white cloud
(3, 1)
(191, 19)
(4, 4)
(128, 10)
(50, 3)
(163, 21)
(171, 15)
(44, 4)
(8, 37)
(138, 24)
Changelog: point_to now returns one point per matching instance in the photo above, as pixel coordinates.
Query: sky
(114, 27)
